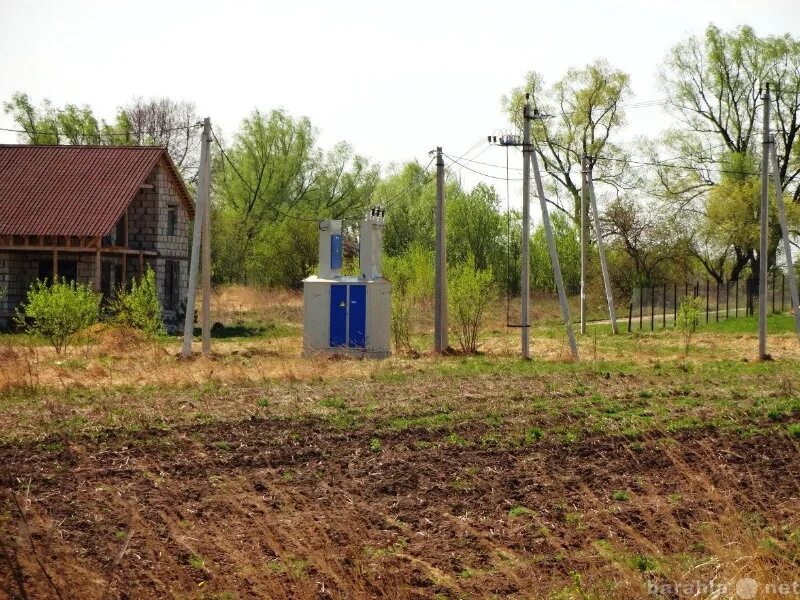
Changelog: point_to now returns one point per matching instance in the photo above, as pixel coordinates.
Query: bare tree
(169, 123)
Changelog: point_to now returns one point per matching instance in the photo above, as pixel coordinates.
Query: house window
(172, 282)
(172, 217)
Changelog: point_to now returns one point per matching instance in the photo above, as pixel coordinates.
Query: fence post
(652, 307)
(675, 305)
(664, 300)
(707, 294)
(727, 297)
(783, 290)
(736, 281)
(773, 292)
(630, 314)
(717, 306)
(640, 307)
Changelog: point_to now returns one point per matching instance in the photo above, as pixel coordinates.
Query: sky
(395, 79)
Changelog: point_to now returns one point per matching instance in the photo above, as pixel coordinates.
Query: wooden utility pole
(525, 280)
(612, 313)
(551, 244)
(206, 243)
(199, 216)
(584, 237)
(762, 251)
(440, 342)
(787, 246)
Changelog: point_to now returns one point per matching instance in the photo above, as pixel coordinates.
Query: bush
(139, 308)
(470, 290)
(57, 312)
(688, 319)
(412, 277)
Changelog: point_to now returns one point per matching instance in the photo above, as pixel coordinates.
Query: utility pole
(525, 280)
(199, 217)
(206, 243)
(762, 251)
(440, 342)
(612, 313)
(787, 247)
(551, 244)
(584, 237)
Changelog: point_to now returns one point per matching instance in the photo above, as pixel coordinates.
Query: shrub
(688, 319)
(139, 308)
(412, 277)
(469, 292)
(57, 312)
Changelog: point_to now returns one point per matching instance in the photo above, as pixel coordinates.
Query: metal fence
(657, 307)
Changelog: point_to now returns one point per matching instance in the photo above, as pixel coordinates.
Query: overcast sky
(393, 78)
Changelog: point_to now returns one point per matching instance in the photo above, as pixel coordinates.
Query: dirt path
(287, 509)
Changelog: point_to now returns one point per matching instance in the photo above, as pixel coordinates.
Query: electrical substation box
(348, 314)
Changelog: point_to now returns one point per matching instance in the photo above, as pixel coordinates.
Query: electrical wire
(99, 135)
(253, 191)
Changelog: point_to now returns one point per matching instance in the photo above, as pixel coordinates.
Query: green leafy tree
(271, 186)
(475, 227)
(585, 112)
(145, 122)
(57, 312)
(568, 247)
(714, 84)
(410, 197)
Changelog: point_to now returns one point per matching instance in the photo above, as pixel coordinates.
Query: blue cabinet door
(358, 316)
(338, 325)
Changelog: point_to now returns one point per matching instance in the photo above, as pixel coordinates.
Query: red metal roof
(74, 190)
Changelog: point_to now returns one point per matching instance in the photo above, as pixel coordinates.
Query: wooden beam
(97, 270)
(118, 250)
(55, 266)
(141, 264)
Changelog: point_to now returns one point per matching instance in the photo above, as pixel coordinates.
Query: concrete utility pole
(525, 280)
(612, 313)
(787, 247)
(584, 237)
(206, 242)
(762, 250)
(440, 342)
(551, 244)
(199, 219)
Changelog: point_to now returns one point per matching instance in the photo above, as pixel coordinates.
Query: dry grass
(112, 356)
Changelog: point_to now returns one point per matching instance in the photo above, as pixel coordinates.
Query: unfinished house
(92, 214)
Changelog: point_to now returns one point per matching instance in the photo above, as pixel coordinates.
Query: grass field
(638, 472)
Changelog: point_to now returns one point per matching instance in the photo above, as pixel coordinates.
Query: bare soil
(280, 508)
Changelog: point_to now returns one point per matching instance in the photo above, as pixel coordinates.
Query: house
(92, 214)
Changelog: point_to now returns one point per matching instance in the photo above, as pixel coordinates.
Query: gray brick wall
(148, 229)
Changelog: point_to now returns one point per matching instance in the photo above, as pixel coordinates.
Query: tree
(714, 87)
(410, 197)
(152, 122)
(584, 112)
(169, 123)
(271, 186)
(475, 227)
(645, 247)
(47, 125)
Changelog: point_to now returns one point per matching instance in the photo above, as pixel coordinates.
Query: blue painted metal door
(338, 324)
(358, 316)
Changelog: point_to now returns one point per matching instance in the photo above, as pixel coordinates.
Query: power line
(253, 191)
(99, 135)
